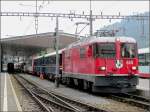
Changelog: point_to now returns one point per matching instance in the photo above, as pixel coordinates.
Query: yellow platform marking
(5, 104)
(15, 96)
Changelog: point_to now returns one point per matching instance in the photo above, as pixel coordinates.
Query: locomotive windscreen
(128, 50)
(105, 50)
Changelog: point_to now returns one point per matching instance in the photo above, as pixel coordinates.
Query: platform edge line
(5, 104)
(15, 96)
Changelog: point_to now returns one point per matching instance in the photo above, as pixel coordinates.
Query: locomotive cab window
(128, 50)
(105, 50)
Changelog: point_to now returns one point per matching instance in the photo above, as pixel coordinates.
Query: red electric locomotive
(103, 64)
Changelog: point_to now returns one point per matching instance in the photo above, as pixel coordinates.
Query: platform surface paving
(9, 100)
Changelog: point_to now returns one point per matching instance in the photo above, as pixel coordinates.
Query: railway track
(136, 100)
(50, 101)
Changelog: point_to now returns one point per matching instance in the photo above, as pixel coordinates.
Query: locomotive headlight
(118, 39)
(103, 68)
(134, 68)
(60, 67)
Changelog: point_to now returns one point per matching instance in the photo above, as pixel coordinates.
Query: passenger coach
(46, 65)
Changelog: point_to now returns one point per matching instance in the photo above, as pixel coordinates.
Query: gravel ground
(99, 101)
(25, 100)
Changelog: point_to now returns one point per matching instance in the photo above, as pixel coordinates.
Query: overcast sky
(15, 26)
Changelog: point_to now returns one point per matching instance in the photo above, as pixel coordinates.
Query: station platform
(144, 84)
(9, 100)
(144, 72)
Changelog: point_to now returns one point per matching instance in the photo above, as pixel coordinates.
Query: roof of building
(48, 54)
(31, 44)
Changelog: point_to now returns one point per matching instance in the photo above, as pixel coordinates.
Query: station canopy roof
(31, 44)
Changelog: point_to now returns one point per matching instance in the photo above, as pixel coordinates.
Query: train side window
(128, 50)
(47, 60)
(35, 62)
(67, 54)
(89, 51)
(38, 62)
(82, 52)
(41, 61)
(52, 60)
(95, 50)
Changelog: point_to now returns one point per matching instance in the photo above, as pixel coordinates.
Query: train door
(60, 63)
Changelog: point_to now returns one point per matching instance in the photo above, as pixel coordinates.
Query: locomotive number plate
(129, 62)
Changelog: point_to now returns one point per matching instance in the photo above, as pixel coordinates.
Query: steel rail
(35, 98)
(66, 103)
(48, 109)
(61, 98)
(131, 100)
(56, 98)
(124, 97)
(137, 97)
(40, 101)
(56, 103)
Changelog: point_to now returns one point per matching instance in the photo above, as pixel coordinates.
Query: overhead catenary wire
(38, 9)
(67, 15)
